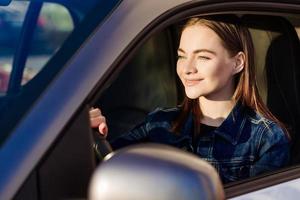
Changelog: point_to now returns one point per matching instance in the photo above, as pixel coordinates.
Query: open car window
(149, 80)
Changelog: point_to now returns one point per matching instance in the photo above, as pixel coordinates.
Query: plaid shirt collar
(231, 127)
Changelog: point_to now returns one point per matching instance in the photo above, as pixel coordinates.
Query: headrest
(277, 64)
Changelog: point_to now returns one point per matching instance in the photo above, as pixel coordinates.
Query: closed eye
(203, 58)
(180, 57)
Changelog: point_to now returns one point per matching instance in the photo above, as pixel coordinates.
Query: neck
(215, 112)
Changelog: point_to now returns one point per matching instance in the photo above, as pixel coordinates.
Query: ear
(239, 62)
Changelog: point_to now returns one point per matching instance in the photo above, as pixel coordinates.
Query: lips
(192, 82)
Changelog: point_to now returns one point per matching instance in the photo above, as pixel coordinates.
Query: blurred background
(51, 29)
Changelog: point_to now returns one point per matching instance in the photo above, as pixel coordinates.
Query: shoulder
(259, 120)
(268, 131)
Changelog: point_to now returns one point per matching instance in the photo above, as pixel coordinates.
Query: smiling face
(204, 66)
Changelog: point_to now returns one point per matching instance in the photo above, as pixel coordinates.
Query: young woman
(222, 119)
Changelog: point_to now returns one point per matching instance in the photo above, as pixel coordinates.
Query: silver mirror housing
(154, 172)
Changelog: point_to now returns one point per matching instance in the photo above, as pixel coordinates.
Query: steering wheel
(101, 145)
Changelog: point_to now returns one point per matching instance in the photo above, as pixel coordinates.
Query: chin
(192, 95)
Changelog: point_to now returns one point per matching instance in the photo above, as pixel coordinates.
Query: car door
(276, 85)
(52, 131)
(39, 37)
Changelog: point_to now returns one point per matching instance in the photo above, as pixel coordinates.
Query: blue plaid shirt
(244, 145)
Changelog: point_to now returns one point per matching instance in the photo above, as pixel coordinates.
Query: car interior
(147, 81)
(278, 63)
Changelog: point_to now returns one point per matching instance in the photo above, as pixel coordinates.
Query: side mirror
(5, 2)
(155, 171)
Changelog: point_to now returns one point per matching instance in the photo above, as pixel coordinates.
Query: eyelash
(180, 57)
(199, 57)
(203, 58)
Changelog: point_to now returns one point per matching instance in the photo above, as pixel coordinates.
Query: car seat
(277, 67)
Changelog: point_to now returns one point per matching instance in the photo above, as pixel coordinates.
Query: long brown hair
(235, 38)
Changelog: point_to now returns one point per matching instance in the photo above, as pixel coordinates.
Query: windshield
(37, 38)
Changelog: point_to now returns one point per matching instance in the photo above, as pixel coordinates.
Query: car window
(132, 93)
(11, 18)
(37, 39)
(53, 24)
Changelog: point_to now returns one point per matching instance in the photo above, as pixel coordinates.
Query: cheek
(209, 69)
(220, 71)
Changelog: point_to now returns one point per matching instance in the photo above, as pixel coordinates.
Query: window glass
(53, 25)
(11, 20)
(37, 39)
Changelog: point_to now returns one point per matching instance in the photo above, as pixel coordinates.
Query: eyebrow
(199, 51)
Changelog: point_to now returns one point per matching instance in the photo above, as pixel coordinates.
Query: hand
(97, 120)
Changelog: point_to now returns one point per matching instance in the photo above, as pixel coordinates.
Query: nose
(190, 67)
